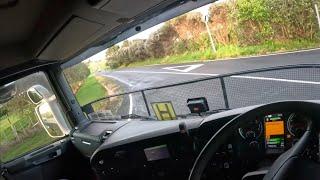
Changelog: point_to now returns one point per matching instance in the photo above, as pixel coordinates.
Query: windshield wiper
(136, 116)
(109, 117)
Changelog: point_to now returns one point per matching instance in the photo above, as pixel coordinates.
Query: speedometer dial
(251, 130)
(297, 124)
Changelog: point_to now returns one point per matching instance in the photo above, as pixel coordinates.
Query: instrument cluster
(277, 131)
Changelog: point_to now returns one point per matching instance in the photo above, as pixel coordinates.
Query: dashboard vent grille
(106, 134)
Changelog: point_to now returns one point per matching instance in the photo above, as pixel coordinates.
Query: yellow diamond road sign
(164, 110)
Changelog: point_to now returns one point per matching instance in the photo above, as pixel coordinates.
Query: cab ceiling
(60, 29)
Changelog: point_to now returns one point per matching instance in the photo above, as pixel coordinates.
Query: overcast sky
(145, 34)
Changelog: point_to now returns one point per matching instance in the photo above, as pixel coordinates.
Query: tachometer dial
(251, 130)
(297, 124)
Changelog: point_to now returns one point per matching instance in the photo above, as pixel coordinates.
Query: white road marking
(244, 77)
(130, 104)
(264, 55)
(178, 73)
(277, 79)
(186, 69)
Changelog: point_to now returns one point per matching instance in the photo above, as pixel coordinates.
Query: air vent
(106, 134)
(103, 115)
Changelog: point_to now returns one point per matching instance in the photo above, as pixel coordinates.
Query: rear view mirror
(48, 111)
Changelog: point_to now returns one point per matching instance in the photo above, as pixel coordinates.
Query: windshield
(203, 61)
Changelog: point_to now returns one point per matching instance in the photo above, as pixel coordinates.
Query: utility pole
(317, 13)
(206, 20)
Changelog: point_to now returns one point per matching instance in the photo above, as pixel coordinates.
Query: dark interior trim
(13, 73)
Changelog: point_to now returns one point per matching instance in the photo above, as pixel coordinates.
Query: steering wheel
(290, 165)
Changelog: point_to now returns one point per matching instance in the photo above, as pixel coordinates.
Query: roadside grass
(19, 123)
(90, 91)
(4, 123)
(39, 139)
(230, 51)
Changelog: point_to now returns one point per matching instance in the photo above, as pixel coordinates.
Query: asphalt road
(241, 90)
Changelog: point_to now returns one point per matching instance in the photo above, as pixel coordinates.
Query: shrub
(76, 75)
(160, 43)
(263, 20)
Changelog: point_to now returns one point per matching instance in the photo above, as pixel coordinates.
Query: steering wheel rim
(229, 128)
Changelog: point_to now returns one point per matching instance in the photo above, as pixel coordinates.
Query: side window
(21, 131)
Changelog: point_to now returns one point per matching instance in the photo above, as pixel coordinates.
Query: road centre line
(236, 76)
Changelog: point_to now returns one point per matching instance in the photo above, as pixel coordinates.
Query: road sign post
(317, 13)
(206, 20)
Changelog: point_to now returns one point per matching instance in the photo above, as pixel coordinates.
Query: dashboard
(167, 149)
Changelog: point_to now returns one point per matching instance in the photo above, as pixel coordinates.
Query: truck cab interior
(40, 38)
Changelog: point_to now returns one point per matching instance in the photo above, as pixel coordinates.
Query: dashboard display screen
(157, 153)
(274, 133)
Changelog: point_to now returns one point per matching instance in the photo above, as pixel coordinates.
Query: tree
(76, 75)
(160, 43)
(188, 26)
(3, 112)
(133, 51)
(112, 50)
(126, 43)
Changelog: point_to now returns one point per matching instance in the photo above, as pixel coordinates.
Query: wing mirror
(48, 111)
(34, 96)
